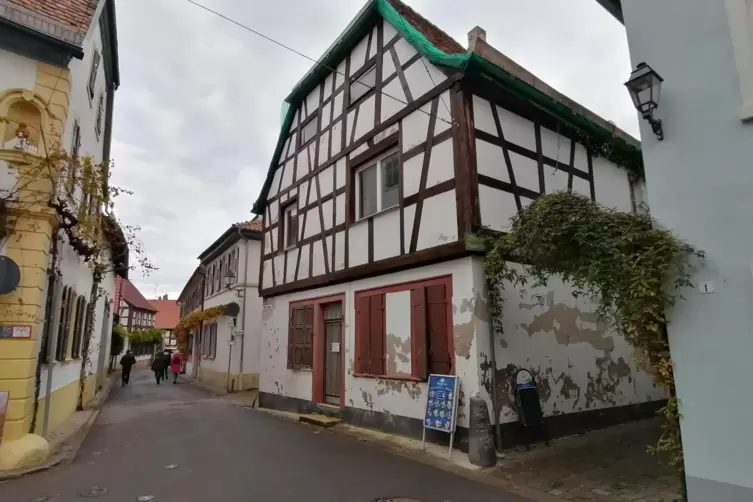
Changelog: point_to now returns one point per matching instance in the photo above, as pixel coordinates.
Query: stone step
(319, 420)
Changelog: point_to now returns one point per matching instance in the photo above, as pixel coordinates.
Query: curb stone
(65, 450)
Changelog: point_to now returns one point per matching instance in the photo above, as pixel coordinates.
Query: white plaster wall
(579, 362)
(438, 221)
(220, 361)
(611, 183)
(699, 183)
(397, 397)
(246, 336)
(398, 343)
(76, 273)
(81, 106)
(17, 72)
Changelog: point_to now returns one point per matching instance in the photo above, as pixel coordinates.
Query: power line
(316, 62)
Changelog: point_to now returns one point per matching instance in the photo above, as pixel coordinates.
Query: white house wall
(247, 327)
(326, 244)
(396, 397)
(76, 274)
(579, 363)
(514, 186)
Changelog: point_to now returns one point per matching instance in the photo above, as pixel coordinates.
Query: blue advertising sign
(442, 403)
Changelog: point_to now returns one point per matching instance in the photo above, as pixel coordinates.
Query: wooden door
(333, 328)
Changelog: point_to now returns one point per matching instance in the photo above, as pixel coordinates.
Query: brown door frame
(320, 339)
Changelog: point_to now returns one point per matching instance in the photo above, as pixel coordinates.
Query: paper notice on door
(335, 347)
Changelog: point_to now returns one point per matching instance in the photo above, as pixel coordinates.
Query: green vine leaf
(633, 268)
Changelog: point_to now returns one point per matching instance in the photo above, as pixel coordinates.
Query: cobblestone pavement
(610, 465)
(176, 443)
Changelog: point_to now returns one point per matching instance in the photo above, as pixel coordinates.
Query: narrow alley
(176, 443)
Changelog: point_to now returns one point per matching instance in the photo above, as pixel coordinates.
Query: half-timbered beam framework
(432, 154)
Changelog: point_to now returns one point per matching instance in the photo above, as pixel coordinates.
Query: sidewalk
(610, 465)
(66, 440)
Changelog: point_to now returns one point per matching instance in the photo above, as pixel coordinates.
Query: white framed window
(377, 186)
(363, 84)
(290, 225)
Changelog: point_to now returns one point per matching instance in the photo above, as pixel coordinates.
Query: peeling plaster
(368, 401)
(269, 309)
(398, 387)
(463, 335)
(602, 387)
(567, 324)
(398, 350)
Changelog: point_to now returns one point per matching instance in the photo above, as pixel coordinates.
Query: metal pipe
(229, 356)
(52, 345)
(48, 325)
(243, 307)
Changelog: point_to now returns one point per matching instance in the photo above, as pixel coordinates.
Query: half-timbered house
(398, 146)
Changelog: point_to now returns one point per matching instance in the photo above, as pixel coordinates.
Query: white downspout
(243, 322)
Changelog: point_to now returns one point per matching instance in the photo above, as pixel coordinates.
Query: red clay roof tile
(255, 224)
(168, 313)
(76, 14)
(132, 295)
(433, 34)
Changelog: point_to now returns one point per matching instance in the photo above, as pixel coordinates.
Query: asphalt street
(176, 443)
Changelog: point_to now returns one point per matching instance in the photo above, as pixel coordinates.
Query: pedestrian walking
(126, 364)
(158, 366)
(168, 357)
(176, 365)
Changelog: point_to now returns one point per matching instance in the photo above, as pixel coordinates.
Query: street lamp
(644, 87)
(229, 278)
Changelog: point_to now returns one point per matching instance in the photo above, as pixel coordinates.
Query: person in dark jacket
(158, 366)
(126, 363)
(168, 356)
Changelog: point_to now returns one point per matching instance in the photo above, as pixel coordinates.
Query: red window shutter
(308, 337)
(440, 360)
(362, 334)
(419, 366)
(377, 334)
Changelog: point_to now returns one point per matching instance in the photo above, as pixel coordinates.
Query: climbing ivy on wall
(634, 270)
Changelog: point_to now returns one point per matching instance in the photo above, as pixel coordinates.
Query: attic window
(360, 86)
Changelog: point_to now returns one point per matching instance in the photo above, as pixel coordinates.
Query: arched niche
(19, 106)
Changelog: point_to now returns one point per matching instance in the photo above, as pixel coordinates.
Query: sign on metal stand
(441, 407)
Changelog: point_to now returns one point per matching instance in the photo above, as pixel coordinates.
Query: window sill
(405, 378)
(378, 213)
(307, 370)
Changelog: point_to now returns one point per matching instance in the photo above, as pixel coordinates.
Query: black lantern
(644, 87)
(229, 278)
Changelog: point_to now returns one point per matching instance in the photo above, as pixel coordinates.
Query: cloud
(198, 111)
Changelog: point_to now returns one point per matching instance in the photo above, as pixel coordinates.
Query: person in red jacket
(176, 363)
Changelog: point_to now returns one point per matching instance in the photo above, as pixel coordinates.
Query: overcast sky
(198, 111)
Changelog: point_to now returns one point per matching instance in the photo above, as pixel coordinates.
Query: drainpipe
(47, 334)
(243, 303)
(52, 345)
(495, 405)
(229, 356)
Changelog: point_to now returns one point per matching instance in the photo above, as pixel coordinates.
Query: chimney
(475, 34)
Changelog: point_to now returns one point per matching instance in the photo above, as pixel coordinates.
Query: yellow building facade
(54, 93)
